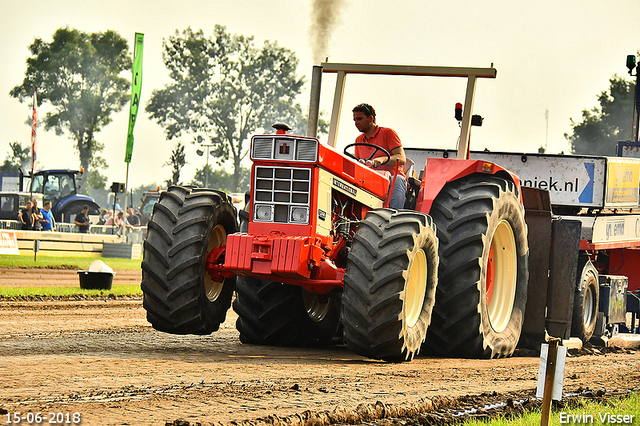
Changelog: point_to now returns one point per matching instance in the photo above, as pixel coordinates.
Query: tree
(224, 88)
(602, 127)
(18, 157)
(177, 162)
(222, 180)
(79, 75)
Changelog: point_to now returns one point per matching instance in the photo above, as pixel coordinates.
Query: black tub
(95, 280)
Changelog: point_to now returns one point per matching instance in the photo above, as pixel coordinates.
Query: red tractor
(318, 257)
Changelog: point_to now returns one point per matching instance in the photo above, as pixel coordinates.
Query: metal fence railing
(134, 235)
(10, 224)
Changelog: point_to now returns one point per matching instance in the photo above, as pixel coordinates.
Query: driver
(364, 117)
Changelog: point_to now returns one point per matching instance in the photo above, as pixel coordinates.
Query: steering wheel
(364, 160)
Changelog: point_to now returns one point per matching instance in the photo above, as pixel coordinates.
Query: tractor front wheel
(179, 295)
(390, 284)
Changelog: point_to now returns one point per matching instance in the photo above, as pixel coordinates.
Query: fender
(439, 171)
(76, 198)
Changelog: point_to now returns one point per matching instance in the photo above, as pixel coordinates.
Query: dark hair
(366, 109)
(85, 207)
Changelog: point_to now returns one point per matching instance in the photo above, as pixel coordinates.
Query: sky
(550, 55)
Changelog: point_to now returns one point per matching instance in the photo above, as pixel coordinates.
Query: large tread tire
(390, 285)
(179, 295)
(585, 302)
(482, 291)
(276, 314)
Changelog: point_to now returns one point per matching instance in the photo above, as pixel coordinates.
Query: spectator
(48, 222)
(104, 215)
(109, 226)
(132, 217)
(26, 217)
(82, 220)
(121, 223)
(37, 216)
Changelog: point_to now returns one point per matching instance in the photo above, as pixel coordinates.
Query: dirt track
(102, 359)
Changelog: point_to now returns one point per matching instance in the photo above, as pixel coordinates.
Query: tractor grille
(306, 150)
(284, 148)
(281, 195)
(262, 148)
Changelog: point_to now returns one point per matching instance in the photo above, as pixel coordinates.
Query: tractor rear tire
(179, 295)
(585, 302)
(390, 285)
(483, 275)
(272, 313)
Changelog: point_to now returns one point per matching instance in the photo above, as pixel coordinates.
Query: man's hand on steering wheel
(376, 162)
(370, 161)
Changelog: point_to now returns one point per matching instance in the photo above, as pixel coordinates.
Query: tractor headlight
(299, 214)
(264, 213)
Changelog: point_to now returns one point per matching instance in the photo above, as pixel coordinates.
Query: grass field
(82, 263)
(28, 292)
(608, 411)
(74, 263)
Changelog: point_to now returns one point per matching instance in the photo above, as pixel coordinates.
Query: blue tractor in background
(61, 186)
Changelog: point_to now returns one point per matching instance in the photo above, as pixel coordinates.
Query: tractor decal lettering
(343, 186)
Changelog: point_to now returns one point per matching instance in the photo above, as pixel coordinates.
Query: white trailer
(602, 196)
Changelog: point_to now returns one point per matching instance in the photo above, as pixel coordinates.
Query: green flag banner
(136, 87)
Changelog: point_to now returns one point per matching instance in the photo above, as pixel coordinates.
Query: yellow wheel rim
(505, 260)
(416, 289)
(213, 288)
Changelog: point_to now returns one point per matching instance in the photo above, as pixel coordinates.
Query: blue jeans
(399, 192)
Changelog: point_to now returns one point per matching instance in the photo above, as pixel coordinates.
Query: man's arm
(396, 154)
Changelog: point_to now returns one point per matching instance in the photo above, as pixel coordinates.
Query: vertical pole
(113, 218)
(548, 381)
(637, 104)
(314, 101)
(206, 169)
(126, 193)
(546, 138)
(465, 131)
(337, 109)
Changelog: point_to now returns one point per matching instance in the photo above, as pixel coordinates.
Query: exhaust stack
(314, 102)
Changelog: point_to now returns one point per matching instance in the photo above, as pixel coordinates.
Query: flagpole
(136, 85)
(34, 132)
(126, 194)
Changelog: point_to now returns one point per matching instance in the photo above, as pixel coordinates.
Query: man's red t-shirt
(383, 137)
